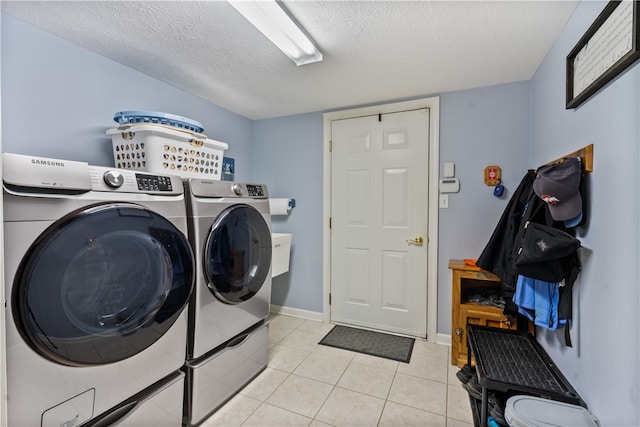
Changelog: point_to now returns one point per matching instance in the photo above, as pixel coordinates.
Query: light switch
(444, 201)
(449, 170)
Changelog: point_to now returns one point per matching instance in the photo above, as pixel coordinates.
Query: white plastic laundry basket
(163, 149)
(530, 411)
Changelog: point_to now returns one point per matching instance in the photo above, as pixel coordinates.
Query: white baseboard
(444, 339)
(296, 312)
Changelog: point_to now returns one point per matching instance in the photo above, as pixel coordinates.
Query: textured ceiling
(373, 50)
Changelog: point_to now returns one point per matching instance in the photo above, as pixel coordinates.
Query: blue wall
(58, 99)
(603, 364)
(287, 155)
(478, 128)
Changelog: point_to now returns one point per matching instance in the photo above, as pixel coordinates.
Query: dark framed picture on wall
(608, 48)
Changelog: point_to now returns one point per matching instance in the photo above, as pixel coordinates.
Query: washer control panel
(127, 181)
(153, 182)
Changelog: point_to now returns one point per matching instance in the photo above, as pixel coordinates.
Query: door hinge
(329, 223)
(330, 145)
(329, 298)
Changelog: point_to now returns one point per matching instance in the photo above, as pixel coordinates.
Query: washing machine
(230, 232)
(98, 274)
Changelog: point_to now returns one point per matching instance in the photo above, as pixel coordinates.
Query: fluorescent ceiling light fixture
(272, 21)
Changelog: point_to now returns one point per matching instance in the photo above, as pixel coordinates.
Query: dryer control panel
(255, 190)
(225, 189)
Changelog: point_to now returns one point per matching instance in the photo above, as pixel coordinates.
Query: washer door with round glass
(237, 254)
(102, 284)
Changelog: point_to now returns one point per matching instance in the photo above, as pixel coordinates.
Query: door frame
(433, 104)
(3, 345)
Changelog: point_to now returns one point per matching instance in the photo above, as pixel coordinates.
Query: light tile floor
(306, 384)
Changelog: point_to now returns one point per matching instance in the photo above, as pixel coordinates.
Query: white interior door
(379, 206)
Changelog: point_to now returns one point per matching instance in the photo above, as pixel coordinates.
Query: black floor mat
(370, 342)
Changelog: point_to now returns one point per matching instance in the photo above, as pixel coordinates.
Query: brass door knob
(418, 241)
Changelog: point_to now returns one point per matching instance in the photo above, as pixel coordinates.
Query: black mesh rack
(513, 361)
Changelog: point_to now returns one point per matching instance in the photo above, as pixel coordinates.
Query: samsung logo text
(47, 163)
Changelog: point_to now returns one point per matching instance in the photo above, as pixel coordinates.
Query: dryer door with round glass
(102, 284)
(237, 254)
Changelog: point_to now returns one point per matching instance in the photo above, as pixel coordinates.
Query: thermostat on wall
(449, 185)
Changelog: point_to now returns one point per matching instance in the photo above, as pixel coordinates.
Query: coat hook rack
(585, 153)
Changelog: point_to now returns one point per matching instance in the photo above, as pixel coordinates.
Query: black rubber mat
(370, 342)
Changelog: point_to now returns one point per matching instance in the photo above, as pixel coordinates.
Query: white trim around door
(433, 104)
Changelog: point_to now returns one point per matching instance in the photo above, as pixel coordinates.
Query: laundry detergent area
(172, 261)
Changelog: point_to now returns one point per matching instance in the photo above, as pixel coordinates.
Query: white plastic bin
(163, 149)
(529, 411)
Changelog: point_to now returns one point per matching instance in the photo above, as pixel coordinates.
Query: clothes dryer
(230, 233)
(98, 272)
